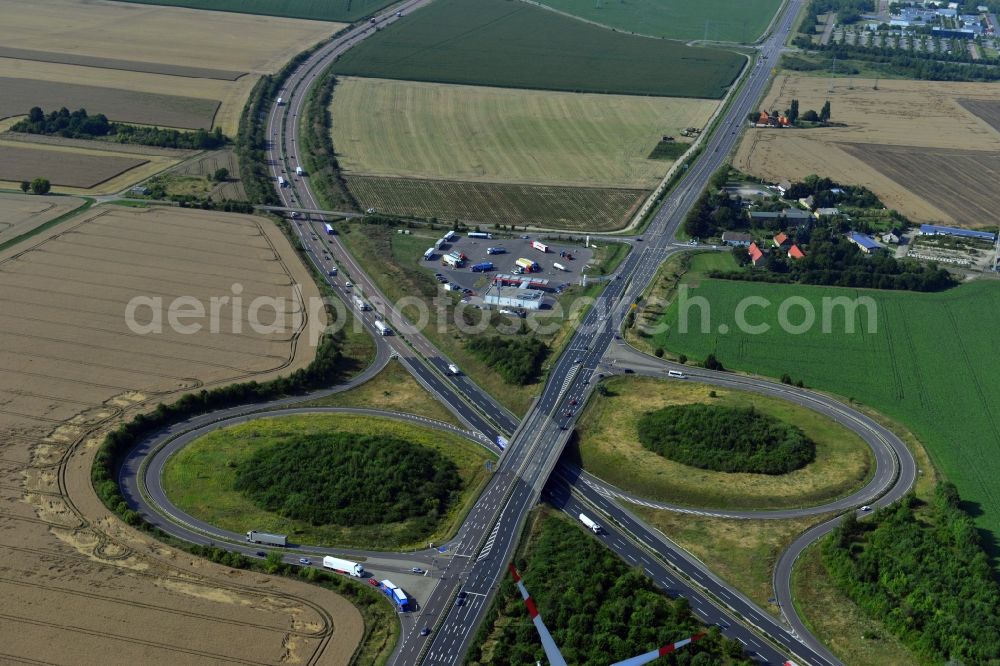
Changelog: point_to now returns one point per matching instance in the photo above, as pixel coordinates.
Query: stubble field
(473, 133)
(137, 50)
(925, 148)
(575, 208)
(77, 586)
(21, 213)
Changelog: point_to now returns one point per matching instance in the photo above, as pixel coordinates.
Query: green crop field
(718, 20)
(930, 363)
(516, 45)
(320, 10)
(496, 135)
(549, 206)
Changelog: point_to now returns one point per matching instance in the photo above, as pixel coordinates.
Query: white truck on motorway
(299, 171)
(382, 328)
(281, 101)
(268, 539)
(591, 525)
(343, 566)
(453, 369)
(281, 181)
(360, 304)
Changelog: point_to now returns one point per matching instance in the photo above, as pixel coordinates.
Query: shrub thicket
(725, 439)
(518, 360)
(350, 479)
(923, 573)
(598, 610)
(80, 125)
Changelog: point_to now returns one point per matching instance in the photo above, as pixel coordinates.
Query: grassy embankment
(200, 478)
(393, 389)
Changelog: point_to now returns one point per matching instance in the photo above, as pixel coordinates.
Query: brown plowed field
(78, 587)
(61, 168)
(885, 129)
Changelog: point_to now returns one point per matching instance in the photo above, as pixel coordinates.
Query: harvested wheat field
(81, 167)
(496, 135)
(21, 213)
(174, 53)
(79, 587)
(888, 132)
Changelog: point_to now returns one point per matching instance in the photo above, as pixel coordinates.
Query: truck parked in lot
(496, 250)
(382, 328)
(429, 254)
(591, 525)
(482, 267)
(527, 265)
(343, 566)
(559, 267)
(268, 539)
(479, 234)
(540, 246)
(449, 237)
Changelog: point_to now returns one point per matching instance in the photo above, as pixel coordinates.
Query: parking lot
(475, 249)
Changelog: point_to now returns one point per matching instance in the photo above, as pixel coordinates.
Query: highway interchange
(529, 468)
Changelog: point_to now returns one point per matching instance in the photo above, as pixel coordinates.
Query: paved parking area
(476, 251)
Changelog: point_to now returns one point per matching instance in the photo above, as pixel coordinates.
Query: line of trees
(725, 439)
(922, 571)
(81, 125)
(350, 479)
(518, 360)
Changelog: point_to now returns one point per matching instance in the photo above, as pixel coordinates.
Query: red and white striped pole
(548, 643)
(656, 654)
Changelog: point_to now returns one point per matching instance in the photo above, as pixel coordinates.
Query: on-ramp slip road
(487, 539)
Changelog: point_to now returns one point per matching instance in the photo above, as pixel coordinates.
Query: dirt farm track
(926, 148)
(79, 587)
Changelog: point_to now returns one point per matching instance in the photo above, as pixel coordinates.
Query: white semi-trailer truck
(343, 566)
(591, 525)
(268, 539)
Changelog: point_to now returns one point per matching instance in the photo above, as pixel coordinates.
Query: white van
(676, 373)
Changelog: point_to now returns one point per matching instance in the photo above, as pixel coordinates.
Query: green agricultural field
(200, 479)
(930, 363)
(547, 206)
(320, 10)
(483, 134)
(517, 45)
(717, 20)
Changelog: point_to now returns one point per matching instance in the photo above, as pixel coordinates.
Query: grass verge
(742, 552)
(393, 389)
(608, 446)
(200, 478)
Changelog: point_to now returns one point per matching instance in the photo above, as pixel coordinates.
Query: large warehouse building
(514, 297)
